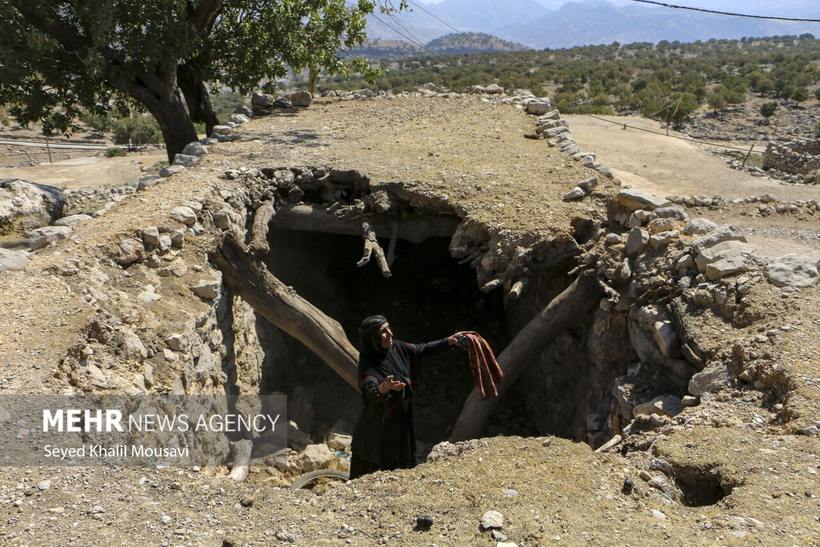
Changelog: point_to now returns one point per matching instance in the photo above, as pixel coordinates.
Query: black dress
(384, 436)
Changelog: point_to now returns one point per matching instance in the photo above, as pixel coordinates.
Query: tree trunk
(196, 97)
(157, 91)
(565, 310)
(284, 308)
(175, 124)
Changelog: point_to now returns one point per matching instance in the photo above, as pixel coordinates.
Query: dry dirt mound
(129, 303)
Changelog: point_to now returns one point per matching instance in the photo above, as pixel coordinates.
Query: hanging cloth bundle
(486, 371)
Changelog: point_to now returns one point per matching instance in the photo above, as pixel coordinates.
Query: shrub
(137, 131)
(115, 152)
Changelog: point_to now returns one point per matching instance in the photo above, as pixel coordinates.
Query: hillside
(472, 42)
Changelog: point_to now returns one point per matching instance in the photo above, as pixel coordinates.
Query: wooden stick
(371, 245)
(259, 231)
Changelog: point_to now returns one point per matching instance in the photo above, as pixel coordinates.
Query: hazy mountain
(579, 22)
(598, 22)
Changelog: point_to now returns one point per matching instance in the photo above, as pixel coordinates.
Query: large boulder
(792, 271)
(26, 205)
(300, 98)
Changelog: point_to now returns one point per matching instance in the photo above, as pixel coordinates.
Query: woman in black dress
(384, 436)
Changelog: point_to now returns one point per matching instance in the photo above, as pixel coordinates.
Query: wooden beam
(259, 230)
(282, 306)
(564, 311)
(414, 228)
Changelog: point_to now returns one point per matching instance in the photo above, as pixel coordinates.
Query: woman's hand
(455, 339)
(390, 384)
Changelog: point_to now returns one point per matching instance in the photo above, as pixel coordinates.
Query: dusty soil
(85, 171)
(474, 157)
(676, 166)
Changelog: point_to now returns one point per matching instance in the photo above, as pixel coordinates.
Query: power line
(717, 12)
(688, 139)
(434, 16)
(400, 33)
(396, 20)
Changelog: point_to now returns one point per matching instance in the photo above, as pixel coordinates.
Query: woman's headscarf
(369, 344)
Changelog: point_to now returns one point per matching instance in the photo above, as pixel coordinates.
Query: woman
(384, 437)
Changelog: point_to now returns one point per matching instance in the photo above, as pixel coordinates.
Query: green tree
(717, 100)
(767, 110)
(136, 131)
(59, 57)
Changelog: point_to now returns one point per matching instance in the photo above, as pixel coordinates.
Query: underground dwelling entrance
(574, 366)
(428, 297)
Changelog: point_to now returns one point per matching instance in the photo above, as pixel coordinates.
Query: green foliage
(634, 77)
(58, 58)
(136, 131)
(115, 152)
(767, 110)
(717, 100)
(817, 93)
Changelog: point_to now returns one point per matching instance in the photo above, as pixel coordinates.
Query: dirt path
(87, 171)
(669, 166)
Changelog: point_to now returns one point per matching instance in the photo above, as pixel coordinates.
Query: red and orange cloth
(486, 371)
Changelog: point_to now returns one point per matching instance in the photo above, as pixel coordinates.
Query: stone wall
(798, 157)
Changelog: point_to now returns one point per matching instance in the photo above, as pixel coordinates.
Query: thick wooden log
(371, 247)
(259, 231)
(564, 311)
(283, 307)
(414, 229)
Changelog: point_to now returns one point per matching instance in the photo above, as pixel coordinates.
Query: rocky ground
(109, 302)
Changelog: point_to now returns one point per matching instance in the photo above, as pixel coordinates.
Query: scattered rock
(720, 234)
(195, 148)
(339, 441)
(41, 237)
(185, 159)
(492, 520)
(712, 378)
(71, 220)
(314, 456)
(588, 185)
(792, 271)
(171, 170)
(301, 99)
(207, 289)
(632, 199)
(663, 239)
(44, 485)
(130, 251)
(538, 107)
(666, 405)
(636, 241)
(12, 260)
(574, 194)
(184, 215)
(150, 237)
(147, 182)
